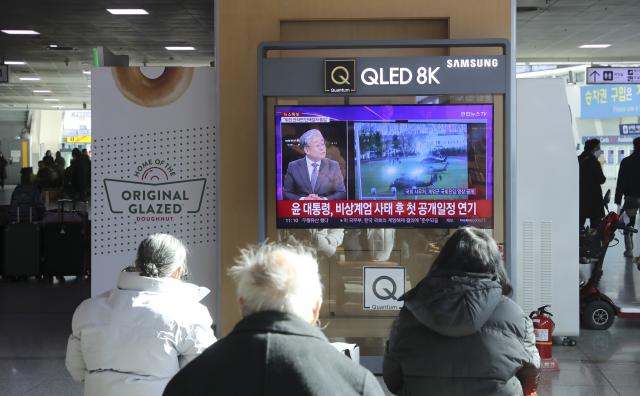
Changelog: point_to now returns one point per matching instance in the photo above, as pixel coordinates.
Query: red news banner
(386, 209)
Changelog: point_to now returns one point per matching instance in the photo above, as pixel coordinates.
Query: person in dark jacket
(628, 185)
(275, 349)
(3, 170)
(458, 333)
(59, 160)
(48, 159)
(26, 199)
(591, 179)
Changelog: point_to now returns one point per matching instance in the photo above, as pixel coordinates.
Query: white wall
(547, 191)
(46, 133)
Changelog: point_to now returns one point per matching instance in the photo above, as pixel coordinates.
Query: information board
(629, 129)
(609, 101)
(613, 75)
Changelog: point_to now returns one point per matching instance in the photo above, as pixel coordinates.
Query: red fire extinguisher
(543, 327)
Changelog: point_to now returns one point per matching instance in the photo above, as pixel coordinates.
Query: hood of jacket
(454, 304)
(134, 282)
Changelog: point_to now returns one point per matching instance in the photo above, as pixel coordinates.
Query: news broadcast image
(418, 166)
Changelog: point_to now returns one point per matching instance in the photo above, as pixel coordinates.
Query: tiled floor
(35, 323)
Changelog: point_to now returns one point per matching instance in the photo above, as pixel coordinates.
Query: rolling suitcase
(64, 242)
(21, 247)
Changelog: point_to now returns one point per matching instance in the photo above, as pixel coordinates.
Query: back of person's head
(75, 153)
(472, 250)
(636, 145)
(278, 277)
(47, 153)
(591, 145)
(58, 154)
(25, 175)
(160, 256)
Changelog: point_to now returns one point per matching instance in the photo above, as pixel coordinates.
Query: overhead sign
(77, 139)
(339, 75)
(609, 101)
(424, 75)
(383, 286)
(615, 139)
(629, 129)
(4, 74)
(613, 75)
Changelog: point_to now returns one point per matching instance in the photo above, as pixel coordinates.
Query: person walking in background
(48, 159)
(80, 174)
(591, 179)
(276, 349)
(59, 160)
(459, 333)
(628, 186)
(3, 169)
(131, 340)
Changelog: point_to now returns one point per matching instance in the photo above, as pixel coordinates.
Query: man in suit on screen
(314, 176)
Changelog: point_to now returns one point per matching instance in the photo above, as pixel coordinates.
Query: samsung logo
(471, 63)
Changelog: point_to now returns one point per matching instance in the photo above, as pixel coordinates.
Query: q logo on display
(340, 78)
(383, 287)
(338, 75)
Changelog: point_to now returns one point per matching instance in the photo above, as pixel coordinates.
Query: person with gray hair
(276, 349)
(459, 333)
(131, 340)
(313, 177)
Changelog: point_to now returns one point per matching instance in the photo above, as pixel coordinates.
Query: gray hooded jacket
(458, 335)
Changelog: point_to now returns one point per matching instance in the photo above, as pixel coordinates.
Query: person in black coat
(3, 170)
(459, 333)
(591, 179)
(275, 349)
(628, 185)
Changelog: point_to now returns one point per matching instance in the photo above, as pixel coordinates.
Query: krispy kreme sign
(155, 197)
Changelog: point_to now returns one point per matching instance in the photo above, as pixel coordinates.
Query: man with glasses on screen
(314, 177)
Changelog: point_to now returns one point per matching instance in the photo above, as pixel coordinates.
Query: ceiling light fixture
(19, 31)
(14, 62)
(53, 45)
(38, 91)
(29, 78)
(592, 46)
(51, 100)
(127, 11)
(86, 72)
(180, 48)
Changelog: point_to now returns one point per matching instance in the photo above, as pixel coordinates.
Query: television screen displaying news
(418, 166)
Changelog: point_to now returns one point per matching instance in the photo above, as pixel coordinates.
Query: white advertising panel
(383, 286)
(153, 168)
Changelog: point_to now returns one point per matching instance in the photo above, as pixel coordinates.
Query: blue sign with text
(609, 101)
(629, 129)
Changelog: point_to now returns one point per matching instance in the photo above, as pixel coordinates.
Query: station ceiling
(549, 30)
(77, 26)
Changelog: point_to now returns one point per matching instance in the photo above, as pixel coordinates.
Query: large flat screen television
(419, 166)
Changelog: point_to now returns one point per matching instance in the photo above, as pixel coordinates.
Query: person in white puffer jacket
(130, 341)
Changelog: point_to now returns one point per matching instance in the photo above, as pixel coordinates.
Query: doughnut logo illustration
(155, 197)
(155, 174)
(153, 92)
